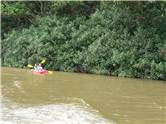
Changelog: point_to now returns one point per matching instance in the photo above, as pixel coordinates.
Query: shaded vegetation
(114, 38)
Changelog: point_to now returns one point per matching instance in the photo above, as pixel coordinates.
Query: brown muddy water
(72, 98)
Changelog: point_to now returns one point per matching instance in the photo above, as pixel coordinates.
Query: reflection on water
(70, 98)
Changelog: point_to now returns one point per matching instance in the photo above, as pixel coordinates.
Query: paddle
(30, 66)
(50, 72)
(42, 62)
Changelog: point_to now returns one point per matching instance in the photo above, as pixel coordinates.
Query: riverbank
(110, 39)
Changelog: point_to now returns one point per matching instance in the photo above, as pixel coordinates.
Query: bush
(110, 41)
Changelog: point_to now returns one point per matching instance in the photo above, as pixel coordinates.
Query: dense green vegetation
(114, 38)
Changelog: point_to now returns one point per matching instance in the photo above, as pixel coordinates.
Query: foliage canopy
(113, 38)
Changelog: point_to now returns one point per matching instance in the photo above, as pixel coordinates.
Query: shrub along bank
(111, 41)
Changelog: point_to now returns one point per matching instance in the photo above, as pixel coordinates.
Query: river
(72, 98)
